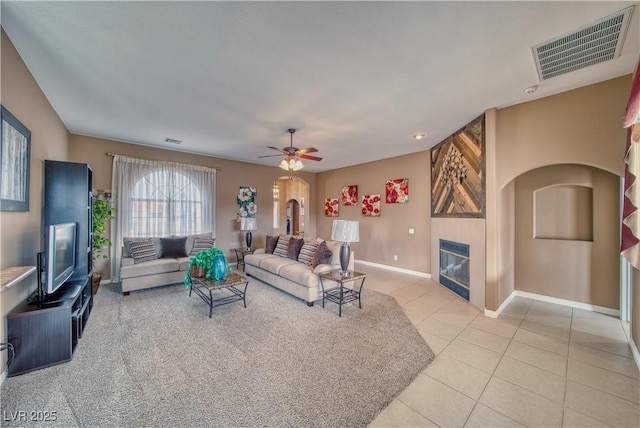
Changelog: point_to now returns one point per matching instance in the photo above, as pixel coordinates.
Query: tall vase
(219, 266)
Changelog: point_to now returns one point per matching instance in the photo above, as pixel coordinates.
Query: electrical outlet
(395, 257)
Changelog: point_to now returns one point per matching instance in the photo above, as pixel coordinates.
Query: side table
(342, 294)
(240, 253)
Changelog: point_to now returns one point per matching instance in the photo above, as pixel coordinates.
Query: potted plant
(201, 265)
(103, 213)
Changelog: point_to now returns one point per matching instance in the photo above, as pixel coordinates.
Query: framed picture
(331, 207)
(397, 191)
(371, 205)
(14, 157)
(350, 195)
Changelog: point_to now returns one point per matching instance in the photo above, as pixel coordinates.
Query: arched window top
(166, 203)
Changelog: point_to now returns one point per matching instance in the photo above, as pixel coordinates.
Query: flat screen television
(60, 255)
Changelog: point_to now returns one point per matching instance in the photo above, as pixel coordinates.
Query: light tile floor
(537, 365)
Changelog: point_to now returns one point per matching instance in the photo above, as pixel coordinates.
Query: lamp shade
(248, 223)
(345, 231)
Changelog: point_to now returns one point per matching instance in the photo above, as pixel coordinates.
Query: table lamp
(248, 224)
(345, 231)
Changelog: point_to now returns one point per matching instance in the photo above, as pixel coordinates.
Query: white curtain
(156, 198)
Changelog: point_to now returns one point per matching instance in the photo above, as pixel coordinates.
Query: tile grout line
(493, 374)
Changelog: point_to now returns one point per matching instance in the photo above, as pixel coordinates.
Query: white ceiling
(356, 79)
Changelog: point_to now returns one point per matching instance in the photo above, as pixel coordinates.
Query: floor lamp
(248, 224)
(345, 231)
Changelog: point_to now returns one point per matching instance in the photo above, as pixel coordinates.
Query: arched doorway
(290, 197)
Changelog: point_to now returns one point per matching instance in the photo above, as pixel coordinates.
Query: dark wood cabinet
(47, 332)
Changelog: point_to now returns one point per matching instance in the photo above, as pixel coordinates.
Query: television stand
(45, 332)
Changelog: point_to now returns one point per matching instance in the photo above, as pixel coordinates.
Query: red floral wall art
(371, 205)
(397, 191)
(350, 195)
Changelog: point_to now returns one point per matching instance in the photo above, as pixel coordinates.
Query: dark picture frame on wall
(15, 158)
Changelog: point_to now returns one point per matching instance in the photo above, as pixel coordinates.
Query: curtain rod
(177, 163)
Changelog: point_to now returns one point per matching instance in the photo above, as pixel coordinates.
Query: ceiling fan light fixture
(291, 164)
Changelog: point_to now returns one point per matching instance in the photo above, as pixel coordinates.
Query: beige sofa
(292, 276)
(157, 272)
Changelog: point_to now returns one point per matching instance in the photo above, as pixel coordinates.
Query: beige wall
(635, 307)
(20, 236)
(578, 270)
(231, 176)
(388, 235)
(582, 126)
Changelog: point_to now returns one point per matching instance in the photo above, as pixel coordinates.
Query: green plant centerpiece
(203, 259)
(103, 212)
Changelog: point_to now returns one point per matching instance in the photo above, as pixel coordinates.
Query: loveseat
(152, 262)
(293, 264)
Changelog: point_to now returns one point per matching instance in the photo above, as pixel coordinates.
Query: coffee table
(232, 282)
(342, 294)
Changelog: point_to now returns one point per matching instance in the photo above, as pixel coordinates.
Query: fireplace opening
(454, 267)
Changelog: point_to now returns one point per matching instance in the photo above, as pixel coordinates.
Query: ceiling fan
(292, 162)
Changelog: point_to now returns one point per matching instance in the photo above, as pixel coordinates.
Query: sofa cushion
(307, 252)
(141, 250)
(282, 249)
(300, 274)
(271, 243)
(295, 245)
(274, 264)
(173, 247)
(323, 255)
(201, 243)
(149, 268)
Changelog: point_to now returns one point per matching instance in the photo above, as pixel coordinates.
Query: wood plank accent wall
(457, 173)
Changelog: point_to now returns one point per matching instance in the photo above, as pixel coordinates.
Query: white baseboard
(571, 303)
(496, 313)
(395, 269)
(549, 299)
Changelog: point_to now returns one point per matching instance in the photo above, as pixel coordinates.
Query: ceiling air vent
(172, 140)
(593, 44)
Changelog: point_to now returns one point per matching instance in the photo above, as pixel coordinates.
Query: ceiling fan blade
(268, 156)
(309, 150)
(280, 150)
(314, 158)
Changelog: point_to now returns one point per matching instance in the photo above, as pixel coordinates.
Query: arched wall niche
(290, 204)
(581, 270)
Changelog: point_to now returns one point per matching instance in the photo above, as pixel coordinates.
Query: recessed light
(530, 89)
(418, 136)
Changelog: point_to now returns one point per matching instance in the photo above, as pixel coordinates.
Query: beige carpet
(154, 358)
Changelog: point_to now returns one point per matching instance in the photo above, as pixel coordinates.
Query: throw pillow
(142, 250)
(282, 249)
(271, 243)
(307, 252)
(201, 244)
(322, 255)
(295, 245)
(173, 247)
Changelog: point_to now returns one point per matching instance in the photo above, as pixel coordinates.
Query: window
(166, 203)
(158, 198)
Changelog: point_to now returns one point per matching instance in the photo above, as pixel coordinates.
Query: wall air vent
(172, 140)
(593, 44)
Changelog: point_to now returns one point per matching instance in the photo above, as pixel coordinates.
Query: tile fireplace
(454, 267)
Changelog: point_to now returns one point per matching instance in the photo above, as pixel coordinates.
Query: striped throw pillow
(200, 244)
(306, 253)
(282, 249)
(142, 250)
